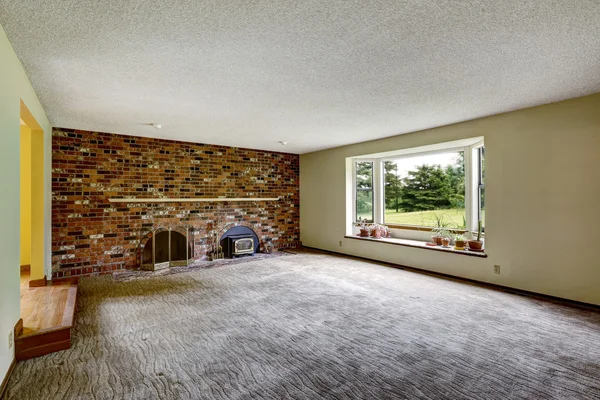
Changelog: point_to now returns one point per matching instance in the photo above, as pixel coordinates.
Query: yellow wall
(37, 205)
(16, 88)
(25, 195)
(542, 191)
(36, 183)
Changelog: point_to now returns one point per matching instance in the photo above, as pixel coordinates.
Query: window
(481, 186)
(414, 188)
(364, 191)
(420, 189)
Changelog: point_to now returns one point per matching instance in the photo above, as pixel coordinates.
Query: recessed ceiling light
(157, 126)
(283, 142)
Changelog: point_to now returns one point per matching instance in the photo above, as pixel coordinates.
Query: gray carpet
(315, 326)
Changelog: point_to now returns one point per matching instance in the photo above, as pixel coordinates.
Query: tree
(426, 188)
(392, 185)
(364, 175)
(364, 190)
(456, 177)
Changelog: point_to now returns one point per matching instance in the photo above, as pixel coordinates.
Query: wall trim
(7, 377)
(493, 286)
(25, 268)
(17, 331)
(38, 282)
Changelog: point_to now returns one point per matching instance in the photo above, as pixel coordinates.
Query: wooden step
(41, 343)
(48, 314)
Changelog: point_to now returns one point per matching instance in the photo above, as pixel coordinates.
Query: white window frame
(414, 231)
(474, 185)
(375, 180)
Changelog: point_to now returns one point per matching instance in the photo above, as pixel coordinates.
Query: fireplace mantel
(188, 200)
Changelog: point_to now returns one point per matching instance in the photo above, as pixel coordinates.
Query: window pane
(420, 190)
(482, 165)
(481, 197)
(364, 175)
(364, 205)
(482, 206)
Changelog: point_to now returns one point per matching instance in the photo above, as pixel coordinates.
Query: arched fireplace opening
(164, 248)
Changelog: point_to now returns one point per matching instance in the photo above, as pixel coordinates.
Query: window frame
(479, 184)
(356, 189)
(472, 185)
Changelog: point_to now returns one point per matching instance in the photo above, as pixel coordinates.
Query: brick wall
(90, 235)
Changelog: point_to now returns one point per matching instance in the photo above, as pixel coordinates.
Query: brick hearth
(92, 236)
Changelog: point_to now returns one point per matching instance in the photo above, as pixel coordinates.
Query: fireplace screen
(166, 248)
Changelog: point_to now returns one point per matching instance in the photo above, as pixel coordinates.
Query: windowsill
(419, 245)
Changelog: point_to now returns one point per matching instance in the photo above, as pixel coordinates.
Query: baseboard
(25, 268)
(19, 329)
(38, 282)
(7, 377)
(493, 286)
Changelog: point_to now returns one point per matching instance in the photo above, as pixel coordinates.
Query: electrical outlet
(496, 269)
(11, 339)
(340, 243)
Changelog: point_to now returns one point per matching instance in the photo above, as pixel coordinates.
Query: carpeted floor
(312, 326)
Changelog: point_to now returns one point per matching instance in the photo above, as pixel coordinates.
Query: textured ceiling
(317, 74)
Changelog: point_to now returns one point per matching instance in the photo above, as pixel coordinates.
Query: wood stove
(239, 241)
(238, 245)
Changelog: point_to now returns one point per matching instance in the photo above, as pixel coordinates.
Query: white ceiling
(317, 74)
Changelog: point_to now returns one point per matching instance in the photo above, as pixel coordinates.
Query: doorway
(32, 198)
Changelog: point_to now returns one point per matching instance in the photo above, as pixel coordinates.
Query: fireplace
(238, 241)
(163, 248)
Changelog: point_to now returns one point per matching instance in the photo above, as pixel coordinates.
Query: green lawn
(424, 218)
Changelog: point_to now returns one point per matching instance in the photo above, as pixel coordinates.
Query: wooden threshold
(42, 342)
(18, 327)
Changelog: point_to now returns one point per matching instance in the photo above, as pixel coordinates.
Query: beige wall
(16, 87)
(542, 200)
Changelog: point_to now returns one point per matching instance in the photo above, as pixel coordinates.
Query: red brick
(126, 166)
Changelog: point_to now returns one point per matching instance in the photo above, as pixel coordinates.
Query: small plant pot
(445, 242)
(475, 245)
(460, 244)
(364, 232)
(376, 234)
(437, 240)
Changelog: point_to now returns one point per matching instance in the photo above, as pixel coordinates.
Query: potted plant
(386, 232)
(376, 231)
(440, 230)
(436, 237)
(446, 238)
(460, 241)
(363, 227)
(477, 245)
